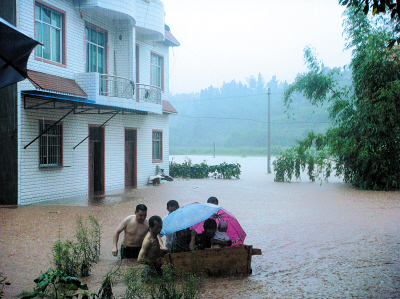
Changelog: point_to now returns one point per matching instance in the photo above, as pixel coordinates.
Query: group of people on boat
(142, 239)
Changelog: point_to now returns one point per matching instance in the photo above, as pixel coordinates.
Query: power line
(225, 98)
(250, 119)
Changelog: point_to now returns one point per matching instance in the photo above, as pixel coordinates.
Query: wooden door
(130, 158)
(96, 160)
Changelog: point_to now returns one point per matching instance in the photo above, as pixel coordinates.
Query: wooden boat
(221, 261)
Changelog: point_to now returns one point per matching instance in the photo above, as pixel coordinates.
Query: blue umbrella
(188, 216)
(15, 49)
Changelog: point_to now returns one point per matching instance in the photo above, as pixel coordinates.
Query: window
(48, 31)
(157, 68)
(95, 50)
(157, 146)
(50, 145)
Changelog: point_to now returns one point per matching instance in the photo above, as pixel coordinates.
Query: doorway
(130, 158)
(96, 160)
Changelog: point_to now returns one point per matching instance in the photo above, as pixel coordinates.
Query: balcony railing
(148, 93)
(114, 86)
(120, 87)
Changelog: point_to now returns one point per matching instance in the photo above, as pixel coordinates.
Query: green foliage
(66, 257)
(363, 141)
(77, 258)
(105, 291)
(3, 284)
(378, 7)
(56, 284)
(304, 158)
(204, 171)
(168, 285)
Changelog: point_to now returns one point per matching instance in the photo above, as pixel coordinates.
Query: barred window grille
(50, 145)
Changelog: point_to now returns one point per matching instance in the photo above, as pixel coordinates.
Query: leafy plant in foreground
(3, 283)
(169, 284)
(55, 284)
(77, 257)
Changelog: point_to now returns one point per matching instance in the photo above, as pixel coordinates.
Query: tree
(363, 143)
(378, 7)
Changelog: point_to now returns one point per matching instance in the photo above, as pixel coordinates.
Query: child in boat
(183, 241)
(203, 240)
(221, 239)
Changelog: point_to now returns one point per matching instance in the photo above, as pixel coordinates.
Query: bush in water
(204, 171)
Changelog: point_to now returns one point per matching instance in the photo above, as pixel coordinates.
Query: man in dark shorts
(135, 228)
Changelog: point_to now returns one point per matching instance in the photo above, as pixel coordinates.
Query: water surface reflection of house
(94, 118)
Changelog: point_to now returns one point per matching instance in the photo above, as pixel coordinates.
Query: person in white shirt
(221, 239)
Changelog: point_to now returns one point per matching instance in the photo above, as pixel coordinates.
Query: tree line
(236, 115)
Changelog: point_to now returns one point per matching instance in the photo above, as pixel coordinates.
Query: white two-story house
(94, 115)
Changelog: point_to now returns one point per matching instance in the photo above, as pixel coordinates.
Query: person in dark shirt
(203, 240)
(183, 241)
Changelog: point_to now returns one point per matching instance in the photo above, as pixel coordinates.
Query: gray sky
(223, 40)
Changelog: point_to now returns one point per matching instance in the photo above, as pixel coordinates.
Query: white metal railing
(115, 86)
(148, 93)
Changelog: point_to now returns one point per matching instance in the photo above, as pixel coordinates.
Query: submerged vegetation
(169, 284)
(77, 258)
(204, 171)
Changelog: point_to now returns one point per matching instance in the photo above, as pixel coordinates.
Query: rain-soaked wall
(72, 179)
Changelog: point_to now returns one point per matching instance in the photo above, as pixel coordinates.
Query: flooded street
(317, 241)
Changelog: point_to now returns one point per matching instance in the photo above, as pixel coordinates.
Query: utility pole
(214, 149)
(269, 133)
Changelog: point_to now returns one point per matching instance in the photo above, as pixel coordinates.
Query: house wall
(145, 49)
(40, 184)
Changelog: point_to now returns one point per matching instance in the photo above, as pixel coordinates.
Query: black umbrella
(14, 53)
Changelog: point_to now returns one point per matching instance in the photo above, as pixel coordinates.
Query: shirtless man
(135, 228)
(152, 249)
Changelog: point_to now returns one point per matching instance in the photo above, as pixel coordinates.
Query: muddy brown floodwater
(317, 241)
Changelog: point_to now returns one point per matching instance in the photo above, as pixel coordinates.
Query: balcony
(115, 86)
(148, 93)
(112, 9)
(120, 92)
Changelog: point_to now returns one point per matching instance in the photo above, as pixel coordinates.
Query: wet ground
(317, 241)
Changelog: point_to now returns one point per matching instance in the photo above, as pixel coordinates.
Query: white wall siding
(150, 15)
(40, 184)
(37, 184)
(126, 7)
(145, 49)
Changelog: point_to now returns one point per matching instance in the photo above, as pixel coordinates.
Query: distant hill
(235, 115)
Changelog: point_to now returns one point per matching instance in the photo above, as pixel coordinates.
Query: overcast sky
(225, 40)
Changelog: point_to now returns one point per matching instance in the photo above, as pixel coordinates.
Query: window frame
(63, 56)
(161, 70)
(160, 147)
(87, 50)
(60, 138)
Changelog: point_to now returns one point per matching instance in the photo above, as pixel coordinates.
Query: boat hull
(222, 261)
